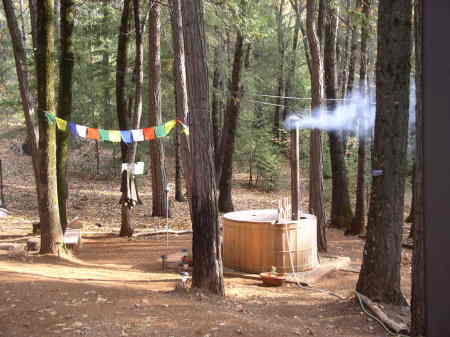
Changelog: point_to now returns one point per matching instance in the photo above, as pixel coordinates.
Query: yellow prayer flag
(61, 123)
(115, 136)
(169, 126)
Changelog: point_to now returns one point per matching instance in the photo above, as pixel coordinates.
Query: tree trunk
(181, 100)
(353, 51)
(108, 116)
(64, 104)
(207, 238)
(32, 4)
(126, 226)
(358, 221)
(418, 264)
(290, 75)
(51, 233)
(281, 55)
(25, 92)
(159, 179)
(217, 96)
(341, 212)
(316, 168)
(343, 53)
(225, 169)
(379, 278)
(410, 217)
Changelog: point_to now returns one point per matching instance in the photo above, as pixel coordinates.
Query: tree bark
(281, 60)
(25, 92)
(358, 221)
(418, 323)
(353, 51)
(159, 179)
(379, 278)
(207, 238)
(217, 96)
(64, 104)
(126, 226)
(225, 169)
(51, 232)
(290, 75)
(181, 99)
(316, 202)
(341, 212)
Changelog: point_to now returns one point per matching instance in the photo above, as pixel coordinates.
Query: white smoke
(347, 115)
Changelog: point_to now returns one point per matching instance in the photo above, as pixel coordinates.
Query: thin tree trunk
(225, 170)
(206, 239)
(341, 213)
(51, 232)
(418, 308)
(64, 104)
(106, 56)
(32, 4)
(290, 75)
(353, 51)
(343, 52)
(379, 278)
(126, 227)
(358, 221)
(217, 95)
(159, 179)
(180, 90)
(316, 168)
(25, 92)
(281, 60)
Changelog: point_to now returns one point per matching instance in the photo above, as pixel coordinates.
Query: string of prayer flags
(126, 136)
(138, 135)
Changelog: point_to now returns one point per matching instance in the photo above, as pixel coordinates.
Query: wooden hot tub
(253, 243)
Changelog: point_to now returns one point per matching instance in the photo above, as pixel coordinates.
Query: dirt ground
(116, 287)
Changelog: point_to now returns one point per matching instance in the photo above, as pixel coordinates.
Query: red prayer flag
(149, 133)
(93, 133)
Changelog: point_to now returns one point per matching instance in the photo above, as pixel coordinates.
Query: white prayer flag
(138, 135)
(82, 130)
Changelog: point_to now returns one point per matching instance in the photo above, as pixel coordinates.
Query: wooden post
(295, 174)
(2, 197)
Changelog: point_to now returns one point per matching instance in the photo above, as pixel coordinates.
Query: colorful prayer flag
(114, 136)
(73, 128)
(50, 117)
(169, 126)
(138, 135)
(104, 135)
(93, 133)
(81, 130)
(61, 123)
(160, 131)
(126, 136)
(149, 133)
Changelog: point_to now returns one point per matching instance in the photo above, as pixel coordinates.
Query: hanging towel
(138, 135)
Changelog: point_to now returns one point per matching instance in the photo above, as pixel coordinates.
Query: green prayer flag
(160, 131)
(104, 135)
